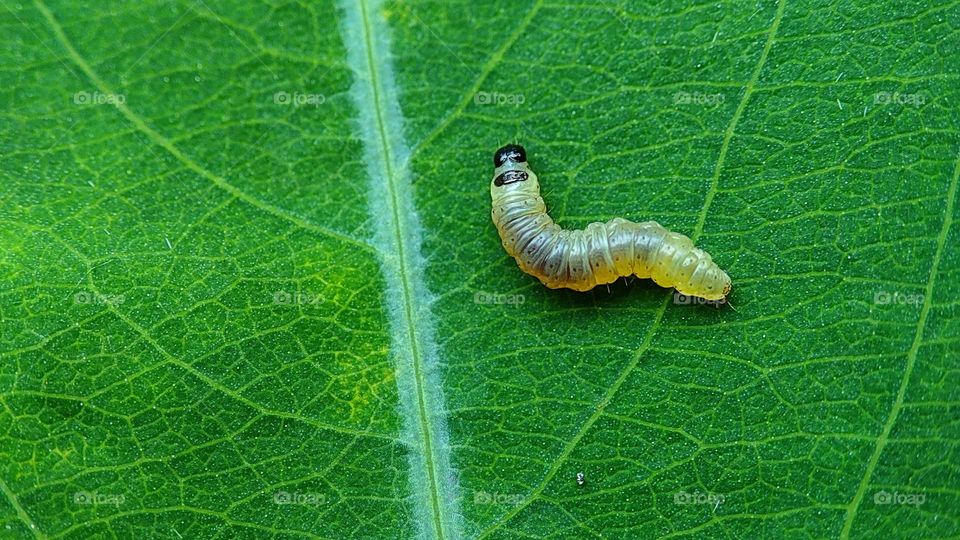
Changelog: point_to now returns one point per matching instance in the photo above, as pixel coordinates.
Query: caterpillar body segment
(598, 254)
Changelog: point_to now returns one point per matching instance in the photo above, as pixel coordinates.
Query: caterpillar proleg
(598, 254)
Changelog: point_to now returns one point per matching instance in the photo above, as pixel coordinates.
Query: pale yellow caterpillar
(599, 254)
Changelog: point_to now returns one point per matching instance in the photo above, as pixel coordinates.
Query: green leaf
(249, 286)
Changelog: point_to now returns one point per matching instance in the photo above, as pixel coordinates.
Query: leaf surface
(250, 287)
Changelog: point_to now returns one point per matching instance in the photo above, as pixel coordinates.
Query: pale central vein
(424, 418)
(397, 238)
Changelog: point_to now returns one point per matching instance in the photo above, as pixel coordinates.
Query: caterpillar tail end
(717, 292)
(727, 285)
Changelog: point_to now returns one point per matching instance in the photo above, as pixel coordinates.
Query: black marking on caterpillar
(509, 177)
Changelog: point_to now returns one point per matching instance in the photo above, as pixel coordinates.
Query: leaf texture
(250, 287)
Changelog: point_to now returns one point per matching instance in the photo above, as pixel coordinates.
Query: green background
(193, 320)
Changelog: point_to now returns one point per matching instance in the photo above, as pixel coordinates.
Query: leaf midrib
(403, 252)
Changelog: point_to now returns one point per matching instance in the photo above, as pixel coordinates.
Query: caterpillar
(599, 254)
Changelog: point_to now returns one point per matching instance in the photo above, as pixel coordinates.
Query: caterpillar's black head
(513, 152)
